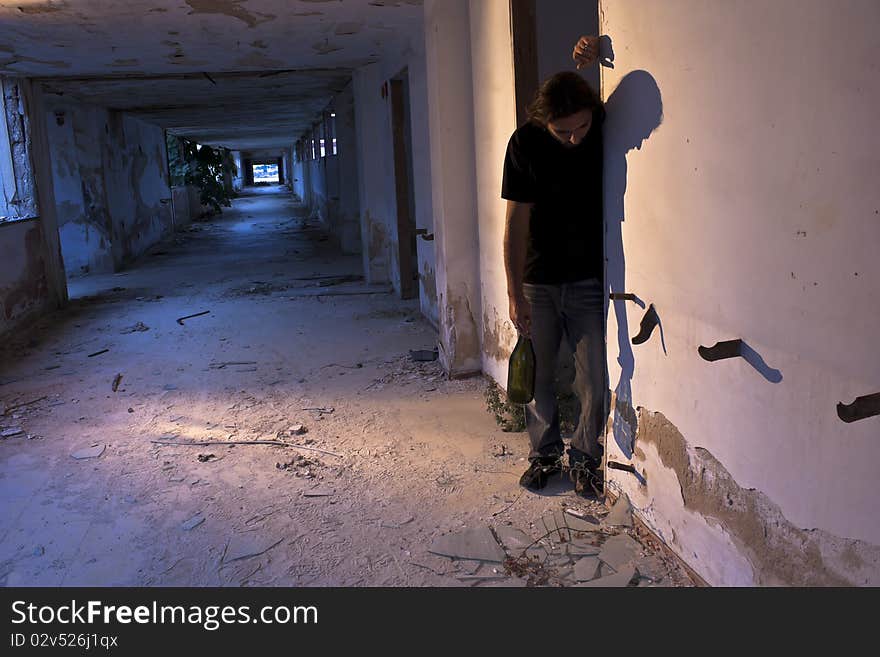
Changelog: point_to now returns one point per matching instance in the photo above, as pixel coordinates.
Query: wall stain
(463, 339)
(780, 552)
(231, 8)
(45, 8)
(429, 284)
(498, 334)
(32, 286)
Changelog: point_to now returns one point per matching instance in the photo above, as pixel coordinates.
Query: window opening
(265, 174)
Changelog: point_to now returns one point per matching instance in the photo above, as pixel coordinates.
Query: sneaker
(535, 478)
(588, 476)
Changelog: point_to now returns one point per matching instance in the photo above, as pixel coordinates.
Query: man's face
(571, 130)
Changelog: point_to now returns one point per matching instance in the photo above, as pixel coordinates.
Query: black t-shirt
(565, 185)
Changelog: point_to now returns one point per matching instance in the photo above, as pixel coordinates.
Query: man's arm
(516, 231)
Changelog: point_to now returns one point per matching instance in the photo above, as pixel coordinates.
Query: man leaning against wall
(553, 256)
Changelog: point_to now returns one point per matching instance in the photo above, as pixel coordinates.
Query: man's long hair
(562, 95)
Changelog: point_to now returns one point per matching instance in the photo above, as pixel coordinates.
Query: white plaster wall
(751, 212)
(494, 122)
(376, 174)
(378, 202)
(347, 156)
(453, 183)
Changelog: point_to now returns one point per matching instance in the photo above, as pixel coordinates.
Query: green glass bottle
(521, 372)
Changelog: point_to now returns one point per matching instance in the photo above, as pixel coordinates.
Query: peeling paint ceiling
(271, 65)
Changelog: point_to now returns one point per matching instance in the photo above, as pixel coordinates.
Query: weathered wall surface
(23, 282)
(136, 180)
(494, 122)
(31, 276)
(185, 204)
(76, 133)
(377, 197)
(453, 183)
(348, 204)
(17, 186)
(299, 180)
(742, 202)
(376, 175)
(317, 197)
(110, 177)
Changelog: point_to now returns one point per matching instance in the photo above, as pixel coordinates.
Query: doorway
(407, 249)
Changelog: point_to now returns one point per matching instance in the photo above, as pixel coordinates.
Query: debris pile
(564, 548)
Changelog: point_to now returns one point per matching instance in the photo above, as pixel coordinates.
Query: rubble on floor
(562, 548)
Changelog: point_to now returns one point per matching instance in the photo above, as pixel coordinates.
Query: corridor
(394, 453)
(256, 288)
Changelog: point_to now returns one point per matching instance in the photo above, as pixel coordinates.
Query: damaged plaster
(460, 335)
(110, 181)
(22, 204)
(498, 335)
(23, 286)
(780, 553)
(231, 8)
(49, 7)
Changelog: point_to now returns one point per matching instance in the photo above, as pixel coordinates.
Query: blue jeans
(574, 311)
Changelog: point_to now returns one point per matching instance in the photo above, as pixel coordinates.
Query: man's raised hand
(586, 51)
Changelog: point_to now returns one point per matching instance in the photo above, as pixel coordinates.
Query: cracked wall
(136, 180)
(18, 190)
(110, 176)
(751, 475)
(84, 224)
(697, 506)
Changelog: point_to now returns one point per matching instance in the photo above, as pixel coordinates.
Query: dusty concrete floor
(412, 455)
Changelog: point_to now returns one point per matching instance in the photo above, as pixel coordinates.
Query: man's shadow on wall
(634, 110)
